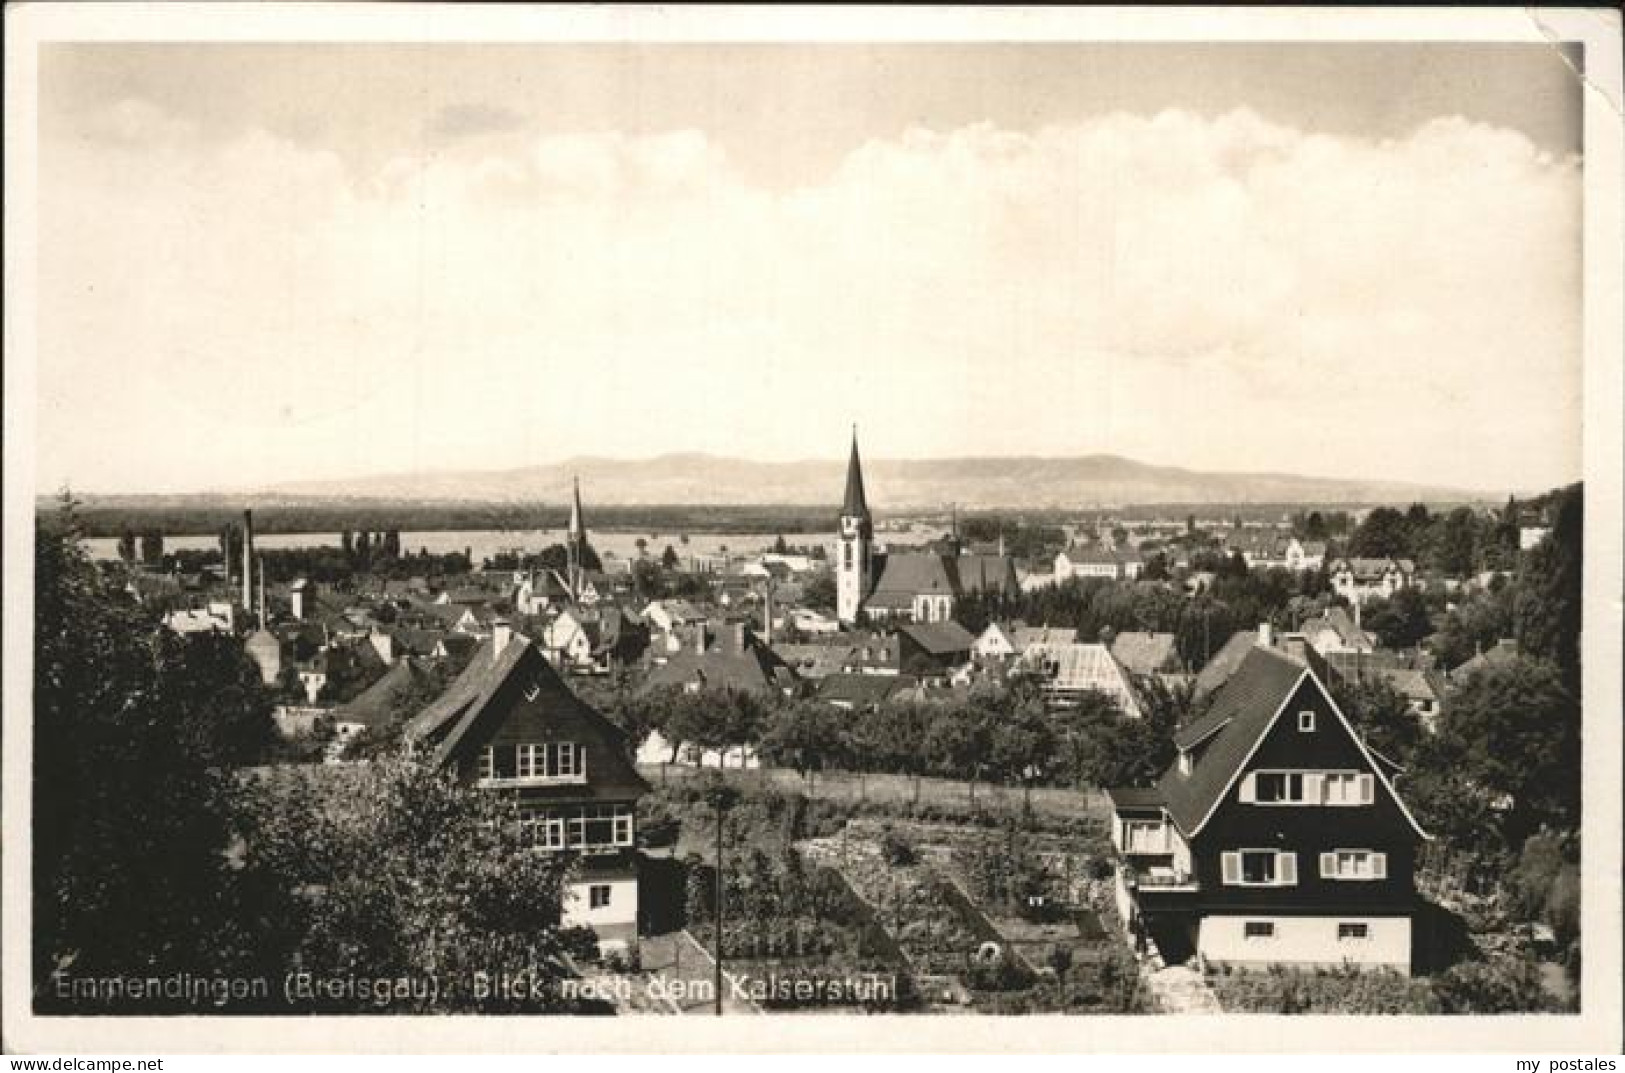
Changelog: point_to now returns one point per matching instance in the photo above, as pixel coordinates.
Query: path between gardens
(1179, 989)
(896, 789)
(680, 974)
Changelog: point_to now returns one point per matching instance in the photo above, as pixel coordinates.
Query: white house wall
(1306, 941)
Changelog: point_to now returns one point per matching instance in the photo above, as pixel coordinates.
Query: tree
(1514, 729)
(1547, 604)
(126, 546)
(347, 542)
(392, 544)
(1380, 715)
(779, 547)
(1385, 532)
(808, 736)
(647, 580)
(393, 869)
(1022, 745)
(1401, 621)
(642, 544)
(134, 731)
(1455, 538)
(668, 558)
(818, 593)
(1473, 625)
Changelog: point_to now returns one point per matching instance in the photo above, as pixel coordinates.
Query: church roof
(854, 505)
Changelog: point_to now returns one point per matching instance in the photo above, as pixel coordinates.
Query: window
(1258, 868)
(552, 832)
(598, 896)
(1306, 721)
(1258, 929)
(601, 827)
(1353, 932)
(1278, 787)
(847, 545)
(1349, 788)
(529, 761)
(1353, 864)
(488, 763)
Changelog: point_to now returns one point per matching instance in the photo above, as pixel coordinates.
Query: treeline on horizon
(111, 516)
(203, 515)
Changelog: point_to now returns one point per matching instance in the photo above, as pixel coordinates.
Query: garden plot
(916, 876)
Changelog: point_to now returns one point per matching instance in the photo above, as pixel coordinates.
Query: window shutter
(1368, 789)
(1328, 866)
(1379, 866)
(1249, 792)
(1314, 788)
(1230, 868)
(1286, 869)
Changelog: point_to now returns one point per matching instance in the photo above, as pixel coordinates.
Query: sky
(265, 263)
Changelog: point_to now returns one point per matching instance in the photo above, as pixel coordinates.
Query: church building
(914, 586)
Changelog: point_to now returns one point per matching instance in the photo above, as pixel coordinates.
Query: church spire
(855, 505)
(578, 526)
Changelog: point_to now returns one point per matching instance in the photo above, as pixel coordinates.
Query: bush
(1501, 985)
(897, 850)
(1001, 972)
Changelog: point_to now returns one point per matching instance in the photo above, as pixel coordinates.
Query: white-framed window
(601, 826)
(1306, 721)
(529, 761)
(1353, 932)
(1258, 929)
(1278, 787)
(552, 832)
(488, 763)
(598, 896)
(1353, 864)
(1349, 788)
(1307, 788)
(1258, 868)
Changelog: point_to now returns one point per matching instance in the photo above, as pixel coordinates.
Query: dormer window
(1184, 762)
(1306, 721)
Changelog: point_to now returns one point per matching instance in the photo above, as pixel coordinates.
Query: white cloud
(1224, 293)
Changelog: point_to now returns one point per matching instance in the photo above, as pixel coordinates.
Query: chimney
(248, 559)
(501, 634)
(1266, 635)
(738, 637)
(699, 638)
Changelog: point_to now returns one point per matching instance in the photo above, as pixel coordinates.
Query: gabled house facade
(1359, 580)
(1275, 838)
(509, 724)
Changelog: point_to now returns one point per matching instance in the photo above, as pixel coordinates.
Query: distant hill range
(893, 485)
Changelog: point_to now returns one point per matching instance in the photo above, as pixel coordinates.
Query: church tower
(857, 535)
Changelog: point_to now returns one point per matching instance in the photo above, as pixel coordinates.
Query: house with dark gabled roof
(932, 649)
(1275, 838)
(509, 724)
